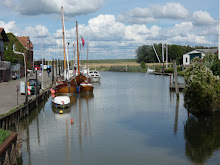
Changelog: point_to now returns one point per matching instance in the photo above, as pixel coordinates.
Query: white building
(187, 58)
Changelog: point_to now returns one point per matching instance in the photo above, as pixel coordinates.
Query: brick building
(4, 65)
(25, 41)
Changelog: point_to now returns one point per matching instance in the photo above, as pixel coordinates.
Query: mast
(42, 66)
(219, 33)
(87, 64)
(87, 59)
(63, 41)
(77, 47)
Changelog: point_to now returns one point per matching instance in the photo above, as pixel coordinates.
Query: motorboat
(94, 76)
(61, 101)
(150, 70)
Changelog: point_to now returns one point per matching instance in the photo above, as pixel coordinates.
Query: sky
(112, 29)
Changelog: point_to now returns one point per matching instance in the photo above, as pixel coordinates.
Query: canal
(130, 119)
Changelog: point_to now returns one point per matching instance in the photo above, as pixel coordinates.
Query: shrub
(143, 64)
(201, 94)
(3, 135)
(216, 68)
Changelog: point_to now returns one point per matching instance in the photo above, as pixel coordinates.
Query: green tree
(8, 46)
(210, 59)
(216, 68)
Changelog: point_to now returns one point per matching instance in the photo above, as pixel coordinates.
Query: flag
(83, 41)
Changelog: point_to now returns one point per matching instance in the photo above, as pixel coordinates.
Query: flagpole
(219, 32)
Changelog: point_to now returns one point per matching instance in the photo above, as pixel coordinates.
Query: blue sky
(114, 29)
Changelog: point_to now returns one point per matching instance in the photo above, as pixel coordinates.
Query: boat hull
(86, 88)
(66, 87)
(60, 105)
(61, 101)
(94, 79)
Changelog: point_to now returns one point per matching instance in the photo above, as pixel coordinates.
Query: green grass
(4, 134)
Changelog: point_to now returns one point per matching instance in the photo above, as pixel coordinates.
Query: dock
(181, 86)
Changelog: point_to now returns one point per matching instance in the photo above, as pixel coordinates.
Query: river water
(130, 119)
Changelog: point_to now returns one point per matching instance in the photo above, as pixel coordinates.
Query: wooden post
(36, 89)
(52, 68)
(175, 76)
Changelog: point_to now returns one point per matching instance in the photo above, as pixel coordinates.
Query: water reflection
(176, 116)
(202, 137)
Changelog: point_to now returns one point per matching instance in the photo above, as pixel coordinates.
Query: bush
(201, 94)
(3, 135)
(169, 70)
(216, 68)
(143, 64)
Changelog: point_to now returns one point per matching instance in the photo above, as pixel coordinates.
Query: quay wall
(11, 118)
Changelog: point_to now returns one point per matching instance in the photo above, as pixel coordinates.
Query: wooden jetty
(181, 86)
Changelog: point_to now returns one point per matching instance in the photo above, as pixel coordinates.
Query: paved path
(8, 93)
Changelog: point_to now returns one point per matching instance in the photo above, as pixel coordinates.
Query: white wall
(186, 59)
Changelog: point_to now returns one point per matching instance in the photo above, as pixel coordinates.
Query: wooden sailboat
(65, 86)
(81, 80)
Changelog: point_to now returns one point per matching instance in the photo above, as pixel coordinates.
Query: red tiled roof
(24, 42)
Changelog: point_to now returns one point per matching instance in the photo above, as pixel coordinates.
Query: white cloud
(146, 15)
(38, 7)
(109, 38)
(190, 39)
(37, 31)
(181, 29)
(202, 18)
(8, 27)
(170, 10)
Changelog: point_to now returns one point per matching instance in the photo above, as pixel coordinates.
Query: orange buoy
(71, 121)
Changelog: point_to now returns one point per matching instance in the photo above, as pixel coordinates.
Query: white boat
(61, 101)
(150, 70)
(94, 76)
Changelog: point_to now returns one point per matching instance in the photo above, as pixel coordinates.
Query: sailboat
(65, 86)
(81, 80)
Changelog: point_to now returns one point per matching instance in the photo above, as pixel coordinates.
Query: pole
(26, 95)
(42, 66)
(175, 76)
(52, 71)
(77, 47)
(17, 95)
(166, 56)
(64, 51)
(163, 56)
(87, 63)
(219, 33)
(36, 89)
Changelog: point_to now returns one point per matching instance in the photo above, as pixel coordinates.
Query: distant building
(25, 41)
(4, 65)
(187, 58)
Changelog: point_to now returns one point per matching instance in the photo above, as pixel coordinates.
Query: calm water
(131, 118)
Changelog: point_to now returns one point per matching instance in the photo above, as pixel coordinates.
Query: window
(186, 60)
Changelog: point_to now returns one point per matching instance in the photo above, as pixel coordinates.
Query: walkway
(8, 92)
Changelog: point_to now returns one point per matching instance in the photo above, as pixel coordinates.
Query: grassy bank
(4, 134)
(118, 65)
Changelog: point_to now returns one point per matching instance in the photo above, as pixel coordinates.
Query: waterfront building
(187, 58)
(4, 65)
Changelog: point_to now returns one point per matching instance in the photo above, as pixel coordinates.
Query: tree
(8, 47)
(216, 68)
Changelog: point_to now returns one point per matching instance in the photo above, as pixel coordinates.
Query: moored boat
(86, 87)
(61, 101)
(66, 87)
(94, 76)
